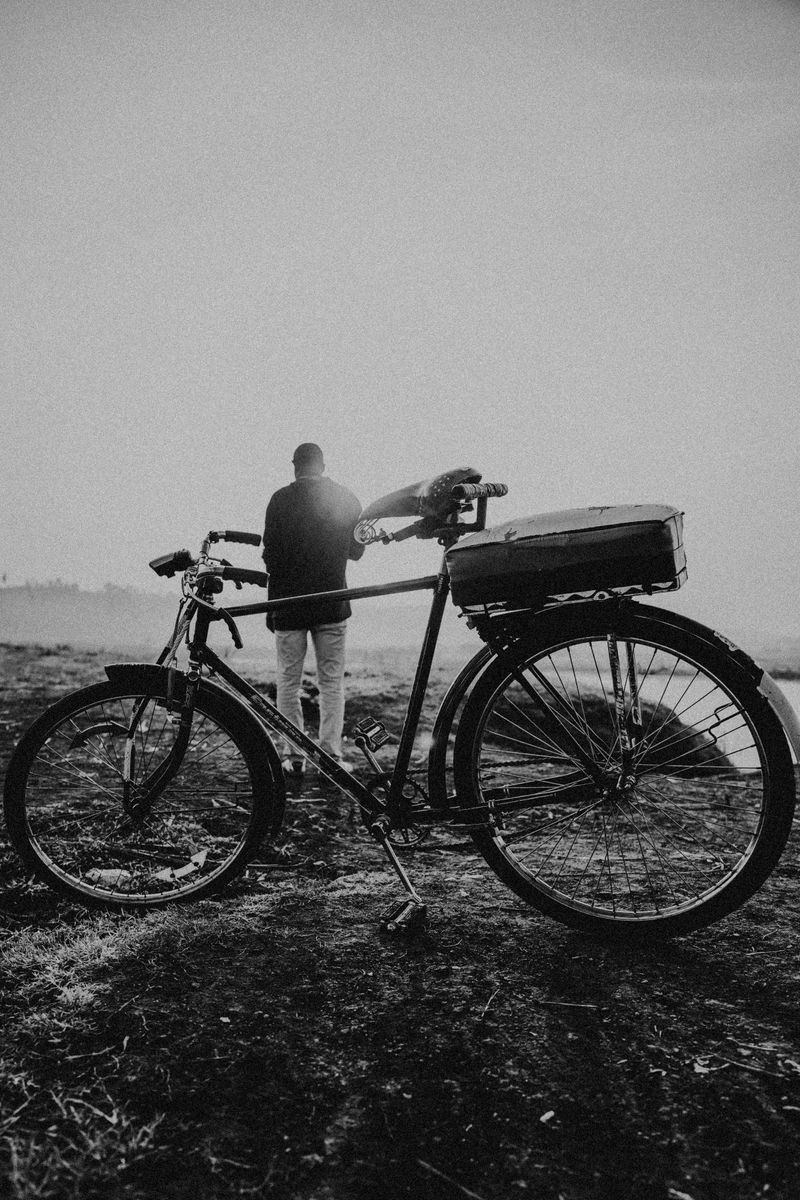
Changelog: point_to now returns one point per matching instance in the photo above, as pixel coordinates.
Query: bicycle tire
(63, 796)
(678, 840)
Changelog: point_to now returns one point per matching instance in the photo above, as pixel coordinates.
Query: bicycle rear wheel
(633, 780)
(75, 778)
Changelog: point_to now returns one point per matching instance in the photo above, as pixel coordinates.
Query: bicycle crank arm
(410, 914)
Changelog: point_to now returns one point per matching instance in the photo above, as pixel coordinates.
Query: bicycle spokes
(619, 777)
(125, 800)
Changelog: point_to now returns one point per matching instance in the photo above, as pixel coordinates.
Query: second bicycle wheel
(634, 782)
(77, 776)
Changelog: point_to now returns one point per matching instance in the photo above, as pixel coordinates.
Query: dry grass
(269, 1043)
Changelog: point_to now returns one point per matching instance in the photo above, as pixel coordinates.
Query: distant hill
(115, 617)
(125, 618)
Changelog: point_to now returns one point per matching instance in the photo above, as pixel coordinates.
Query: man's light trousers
(291, 646)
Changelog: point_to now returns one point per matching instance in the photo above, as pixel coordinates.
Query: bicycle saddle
(428, 498)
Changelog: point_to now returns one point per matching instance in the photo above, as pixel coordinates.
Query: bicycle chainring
(409, 834)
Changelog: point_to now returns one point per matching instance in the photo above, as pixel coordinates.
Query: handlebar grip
(479, 491)
(243, 575)
(235, 535)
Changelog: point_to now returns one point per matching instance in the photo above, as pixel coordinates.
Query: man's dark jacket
(308, 538)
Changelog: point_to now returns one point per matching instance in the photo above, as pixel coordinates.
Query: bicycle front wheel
(632, 779)
(76, 778)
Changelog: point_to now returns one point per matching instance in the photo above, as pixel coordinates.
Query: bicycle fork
(165, 772)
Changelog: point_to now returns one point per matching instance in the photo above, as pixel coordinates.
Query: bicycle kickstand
(409, 915)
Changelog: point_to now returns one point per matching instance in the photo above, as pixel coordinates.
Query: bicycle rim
(73, 790)
(627, 782)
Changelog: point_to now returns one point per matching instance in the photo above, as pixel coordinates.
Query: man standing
(308, 538)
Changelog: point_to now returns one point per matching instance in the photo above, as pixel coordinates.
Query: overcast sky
(558, 242)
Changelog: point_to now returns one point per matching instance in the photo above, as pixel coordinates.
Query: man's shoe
(293, 767)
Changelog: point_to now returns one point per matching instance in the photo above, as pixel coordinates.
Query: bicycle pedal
(409, 916)
(371, 733)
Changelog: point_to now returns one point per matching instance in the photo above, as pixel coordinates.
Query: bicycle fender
(707, 634)
(144, 676)
(764, 682)
(443, 725)
(150, 676)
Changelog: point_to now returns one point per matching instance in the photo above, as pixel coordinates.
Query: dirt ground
(272, 1043)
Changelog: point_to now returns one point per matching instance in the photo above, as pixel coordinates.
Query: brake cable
(221, 614)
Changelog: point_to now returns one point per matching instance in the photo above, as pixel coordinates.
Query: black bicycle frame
(201, 653)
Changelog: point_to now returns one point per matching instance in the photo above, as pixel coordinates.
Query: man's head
(308, 460)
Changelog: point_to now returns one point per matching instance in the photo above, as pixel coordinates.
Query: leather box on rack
(628, 547)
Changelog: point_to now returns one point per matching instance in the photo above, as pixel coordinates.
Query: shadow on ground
(272, 1043)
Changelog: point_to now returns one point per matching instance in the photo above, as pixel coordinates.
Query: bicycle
(621, 768)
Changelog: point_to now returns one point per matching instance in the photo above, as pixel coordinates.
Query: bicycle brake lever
(420, 529)
(365, 534)
(229, 621)
(225, 563)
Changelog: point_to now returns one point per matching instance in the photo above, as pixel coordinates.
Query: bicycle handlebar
(244, 575)
(235, 535)
(479, 491)
(235, 574)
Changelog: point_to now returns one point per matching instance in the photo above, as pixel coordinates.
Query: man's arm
(271, 538)
(355, 550)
